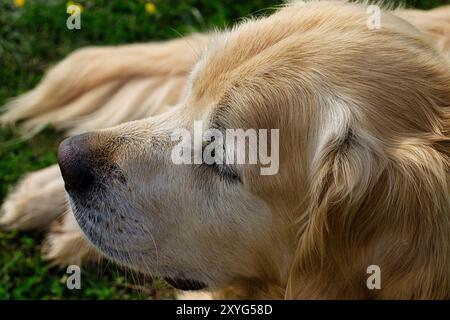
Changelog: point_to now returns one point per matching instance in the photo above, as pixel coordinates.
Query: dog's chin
(186, 284)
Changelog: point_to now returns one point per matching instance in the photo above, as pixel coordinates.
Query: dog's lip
(185, 284)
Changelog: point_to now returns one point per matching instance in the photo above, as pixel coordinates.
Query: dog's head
(355, 108)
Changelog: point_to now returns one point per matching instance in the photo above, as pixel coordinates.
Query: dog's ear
(369, 203)
(344, 171)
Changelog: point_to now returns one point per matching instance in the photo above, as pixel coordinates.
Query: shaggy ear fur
(373, 202)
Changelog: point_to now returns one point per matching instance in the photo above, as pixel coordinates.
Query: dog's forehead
(255, 45)
(245, 69)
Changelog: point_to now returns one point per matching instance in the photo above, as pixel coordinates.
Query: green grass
(31, 39)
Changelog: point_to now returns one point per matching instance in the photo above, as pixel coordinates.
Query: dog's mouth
(186, 284)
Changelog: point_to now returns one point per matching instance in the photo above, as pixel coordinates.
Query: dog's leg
(35, 202)
(92, 83)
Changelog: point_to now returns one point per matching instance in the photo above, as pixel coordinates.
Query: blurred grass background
(33, 36)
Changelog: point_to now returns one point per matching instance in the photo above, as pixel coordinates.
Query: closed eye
(225, 171)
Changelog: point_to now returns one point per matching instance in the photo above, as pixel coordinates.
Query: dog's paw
(35, 202)
(66, 245)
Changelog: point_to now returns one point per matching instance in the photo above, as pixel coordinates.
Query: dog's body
(364, 156)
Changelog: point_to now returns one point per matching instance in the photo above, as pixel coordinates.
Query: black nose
(74, 158)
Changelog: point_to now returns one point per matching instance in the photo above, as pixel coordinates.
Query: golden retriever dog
(364, 151)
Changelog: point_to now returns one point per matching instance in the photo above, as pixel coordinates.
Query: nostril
(73, 160)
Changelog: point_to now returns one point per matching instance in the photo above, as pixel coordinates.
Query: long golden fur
(364, 118)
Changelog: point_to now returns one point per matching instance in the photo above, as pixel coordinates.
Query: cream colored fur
(364, 172)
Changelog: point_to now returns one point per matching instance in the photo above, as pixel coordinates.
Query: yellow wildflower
(19, 3)
(150, 7)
